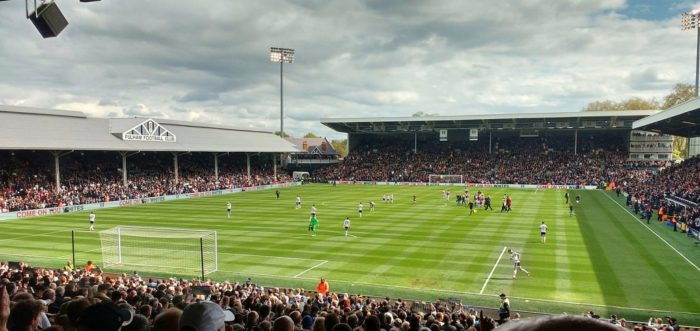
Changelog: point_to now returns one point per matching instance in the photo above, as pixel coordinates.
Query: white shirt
(313, 210)
(346, 223)
(543, 228)
(298, 199)
(228, 206)
(515, 257)
(359, 207)
(92, 218)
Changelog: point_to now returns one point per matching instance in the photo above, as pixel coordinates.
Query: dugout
(55, 134)
(576, 131)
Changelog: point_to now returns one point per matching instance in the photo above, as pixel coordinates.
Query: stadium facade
(479, 128)
(680, 120)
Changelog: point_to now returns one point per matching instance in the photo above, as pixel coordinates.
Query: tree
(634, 103)
(680, 147)
(340, 146)
(310, 135)
(277, 133)
(681, 93)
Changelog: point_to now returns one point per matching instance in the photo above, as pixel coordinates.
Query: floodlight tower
(281, 55)
(689, 21)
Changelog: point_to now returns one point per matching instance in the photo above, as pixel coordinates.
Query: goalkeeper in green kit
(313, 224)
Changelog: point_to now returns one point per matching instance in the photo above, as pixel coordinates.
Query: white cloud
(210, 63)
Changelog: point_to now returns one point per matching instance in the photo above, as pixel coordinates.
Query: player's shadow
(533, 242)
(501, 278)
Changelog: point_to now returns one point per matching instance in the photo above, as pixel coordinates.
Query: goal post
(167, 250)
(436, 179)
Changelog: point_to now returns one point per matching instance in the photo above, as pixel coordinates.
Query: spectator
(168, 320)
(283, 323)
(563, 322)
(104, 316)
(26, 315)
(322, 287)
(503, 309)
(204, 316)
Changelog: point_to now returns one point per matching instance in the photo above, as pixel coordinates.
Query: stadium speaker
(49, 20)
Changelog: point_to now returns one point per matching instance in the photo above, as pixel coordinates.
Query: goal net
(167, 250)
(444, 179)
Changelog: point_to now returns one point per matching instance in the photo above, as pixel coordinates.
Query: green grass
(601, 259)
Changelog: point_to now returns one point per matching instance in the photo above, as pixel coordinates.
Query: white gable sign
(149, 130)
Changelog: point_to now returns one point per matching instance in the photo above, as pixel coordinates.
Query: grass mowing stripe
(654, 232)
(428, 250)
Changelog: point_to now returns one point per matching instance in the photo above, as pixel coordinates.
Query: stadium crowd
(548, 161)
(76, 299)
(671, 195)
(27, 181)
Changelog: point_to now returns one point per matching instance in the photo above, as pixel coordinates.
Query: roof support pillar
(176, 170)
(274, 165)
(124, 175)
(125, 178)
(576, 142)
(216, 166)
(490, 139)
(415, 142)
(57, 168)
(247, 164)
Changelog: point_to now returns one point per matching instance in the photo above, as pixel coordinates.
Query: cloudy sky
(208, 61)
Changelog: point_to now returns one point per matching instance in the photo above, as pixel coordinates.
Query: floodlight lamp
(284, 55)
(689, 20)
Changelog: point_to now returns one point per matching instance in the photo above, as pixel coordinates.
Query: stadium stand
(66, 299)
(549, 161)
(27, 183)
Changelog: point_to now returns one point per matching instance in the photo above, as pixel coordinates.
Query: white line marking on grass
(303, 272)
(652, 231)
(492, 270)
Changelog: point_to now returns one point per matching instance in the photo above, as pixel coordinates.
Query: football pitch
(602, 258)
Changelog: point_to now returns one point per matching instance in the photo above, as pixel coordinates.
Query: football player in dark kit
(487, 203)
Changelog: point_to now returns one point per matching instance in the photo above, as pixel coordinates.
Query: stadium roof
(681, 120)
(47, 129)
(521, 121)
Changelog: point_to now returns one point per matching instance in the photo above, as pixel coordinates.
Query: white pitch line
(652, 231)
(318, 265)
(492, 270)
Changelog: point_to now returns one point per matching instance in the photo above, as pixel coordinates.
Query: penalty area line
(309, 269)
(492, 270)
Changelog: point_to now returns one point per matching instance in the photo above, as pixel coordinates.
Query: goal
(444, 179)
(167, 250)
